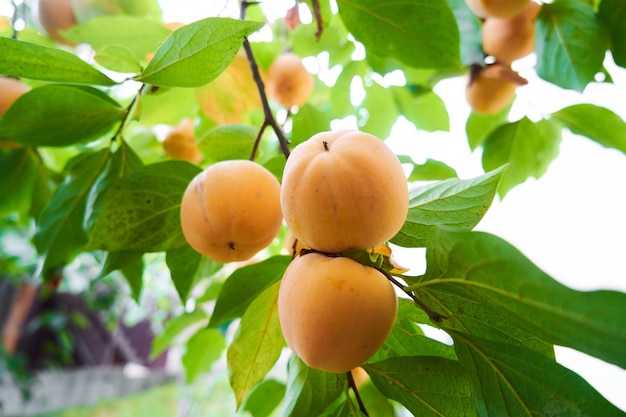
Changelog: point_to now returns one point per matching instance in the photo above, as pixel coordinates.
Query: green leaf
(139, 35)
(486, 270)
(470, 32)
(378, 112)
(141, 211)
(570, 44)
(310, 391)
(407, 339)
(426, 110)
(420, 33)
(174, 329)
(613, 13)
(133, 273)
(454, 204)
(227, 142)
(118, 58)
(425, 385)
(514, 381)
(257, 344)
(430, 170)
(29, 60)
(187, 267)
(18, 174)
(264, 398)
(340, 100)
(197, 53)
(244, 285)
(60, 233)
(116, 261)
(121, 162)
(168, 105)
(204, 348)
(597, 123)
(480, 126)
(59, 115)
(527, 147)
(307, 122)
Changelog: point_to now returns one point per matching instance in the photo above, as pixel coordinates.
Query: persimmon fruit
(180, 143)
(334, 312)
(496, 8)
(231, 210)
(55, 16)
(288, 81)
(491, 88)
(343, 190)
(511, 38)
(10, 90)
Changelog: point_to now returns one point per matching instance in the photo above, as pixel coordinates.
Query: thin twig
(318, 17)
(270, 120)
(257, 141)
(130, 111)
(355, 389)
(434, 316)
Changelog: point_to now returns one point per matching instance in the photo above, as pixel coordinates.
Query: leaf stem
(434, 316)
(129, 112)
(355, 389)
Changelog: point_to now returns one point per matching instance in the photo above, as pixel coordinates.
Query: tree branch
(355, 389)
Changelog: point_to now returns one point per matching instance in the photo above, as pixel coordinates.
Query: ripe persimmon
(55, 16)
(10, 90)
(511, 38)
(231, 210)
(288, 81)
(180, 143)
(491, 88)
(496, 8)
(344, 190)
(334, 312)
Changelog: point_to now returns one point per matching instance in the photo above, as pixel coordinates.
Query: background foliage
(89, 175)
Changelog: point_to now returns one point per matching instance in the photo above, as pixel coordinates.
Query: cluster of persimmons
(508, 34)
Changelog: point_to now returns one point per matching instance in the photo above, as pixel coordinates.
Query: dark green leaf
(426, 111)
(117, 261)
(174, 328)
(204, 348)
(141, 211)
(227, 142)
(264, 398)
(59, 115)
(420, 33)
(570, 44)
(378, 112)
(613, 13)
(28, 60)
(139, 35)
(257, 344)
(426, 386)
(133, 273)
(18, 173)
(454, 204)
(197, 53)
(60, 233)
(430, 170)
(187, 267)
(511, 380)
(528, 148)
(310, 391)
(244, 285)
(486, 270)
(597, 123)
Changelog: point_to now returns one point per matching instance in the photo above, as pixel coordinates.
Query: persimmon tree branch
(270, 120)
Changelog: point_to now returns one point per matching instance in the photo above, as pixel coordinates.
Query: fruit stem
(432, 315)
(270, 120)
(354, 389)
